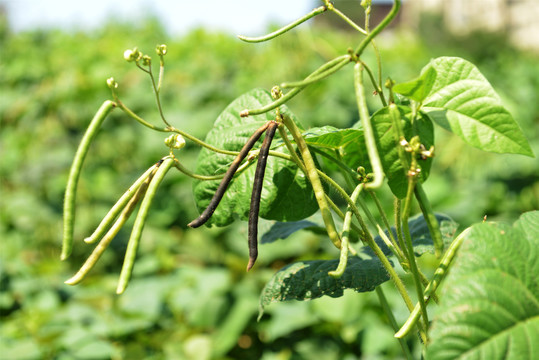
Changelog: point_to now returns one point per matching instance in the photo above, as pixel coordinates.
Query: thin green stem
(371, 243)
(118, 207)
(439, 275)
(157, 96)
(376, 85)
(138, 226)
(74, 174)
(345, 238)
(370, 141)
(193, 175)
(410, 249)
(291, 150)
(430, 218)
(385, 22)
(111, 233)
(129, 112)
(316, 184)
(387, 310)
(334, 161)
(347, 19)
(384, 218)
(313, 13)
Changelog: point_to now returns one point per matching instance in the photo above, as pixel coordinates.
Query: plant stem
(347, 19)
(385, 22)
(430, 218)
(387, 310)
(410, 248)
(74, 174)
(129, 112)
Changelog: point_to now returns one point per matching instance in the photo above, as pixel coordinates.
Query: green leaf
(421, 237)
(349, 143)
(490, 302)
(418, 89)
(386, 140)
(282, 230)
(308, 280)
(463, 102)
(287, 194)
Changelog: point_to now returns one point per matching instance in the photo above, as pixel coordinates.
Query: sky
(248, 17)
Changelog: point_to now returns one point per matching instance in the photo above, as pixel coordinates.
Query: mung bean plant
(490, 305)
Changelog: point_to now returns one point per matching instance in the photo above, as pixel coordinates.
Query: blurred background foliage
(190, 297)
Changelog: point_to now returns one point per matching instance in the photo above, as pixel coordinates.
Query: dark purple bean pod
(252, 236)
(219, 193)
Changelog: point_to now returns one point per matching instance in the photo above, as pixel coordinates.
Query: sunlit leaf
(490, 302)
(287, 194)
(463, 102)
(418, 89)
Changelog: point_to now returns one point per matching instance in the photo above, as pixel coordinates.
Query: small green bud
(111, 83)
(161, 50)
(175, 141)
(146, 60)
(132, 55)
(276, 92)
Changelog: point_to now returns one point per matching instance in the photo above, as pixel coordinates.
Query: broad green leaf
(349, 143)
(282, 230)
(421, 237)
(418, 89)
(287, 194)
(308, 280)
(463, 102)
(386, 140)
(490, 299)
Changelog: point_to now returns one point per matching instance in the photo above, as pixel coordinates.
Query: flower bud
(276, 92)
(161, 50)
(175, 141)
(146, 60)
(111, 83)
(132, 55)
